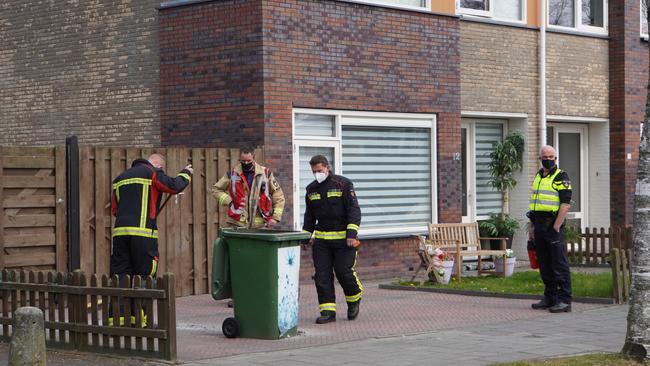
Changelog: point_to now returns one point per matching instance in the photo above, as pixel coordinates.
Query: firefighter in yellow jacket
(251, 193)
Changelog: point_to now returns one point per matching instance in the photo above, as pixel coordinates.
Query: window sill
(392, 235)
(507, 23)
(575, 32)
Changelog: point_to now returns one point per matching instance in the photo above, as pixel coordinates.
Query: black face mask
(548, 163)
(247, 166)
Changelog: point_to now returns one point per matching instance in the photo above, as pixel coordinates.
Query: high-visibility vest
(546, 196)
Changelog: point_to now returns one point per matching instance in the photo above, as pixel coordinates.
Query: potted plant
(498, 226)
(510, 263)
(506, 159)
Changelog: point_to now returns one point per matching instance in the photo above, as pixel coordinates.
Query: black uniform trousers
(134, 255)
(335, 255)
(553, 262)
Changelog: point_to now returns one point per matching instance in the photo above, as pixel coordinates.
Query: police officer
(135, 203)
(549, 205)
(333, 217)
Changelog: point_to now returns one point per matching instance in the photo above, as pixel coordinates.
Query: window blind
(488, 200)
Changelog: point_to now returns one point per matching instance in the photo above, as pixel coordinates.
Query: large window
(510, 10)
(583, 15)
(389, 157)
(408, 4)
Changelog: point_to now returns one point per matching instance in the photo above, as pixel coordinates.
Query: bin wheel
(230, 328)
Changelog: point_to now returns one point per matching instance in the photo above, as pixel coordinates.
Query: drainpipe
(542, 73)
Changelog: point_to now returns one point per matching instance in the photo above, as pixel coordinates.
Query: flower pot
(510, 265)
(449, 267)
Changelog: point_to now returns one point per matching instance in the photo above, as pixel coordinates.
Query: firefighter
(251, 193)
(333, 217)
(549, 205)
(135, 203)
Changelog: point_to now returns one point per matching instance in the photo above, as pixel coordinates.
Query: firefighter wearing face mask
(333, 217)
(251, 193)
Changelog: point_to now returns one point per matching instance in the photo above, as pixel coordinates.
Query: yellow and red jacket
(136, 196)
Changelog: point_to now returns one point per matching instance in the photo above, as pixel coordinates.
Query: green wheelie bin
(260, 270)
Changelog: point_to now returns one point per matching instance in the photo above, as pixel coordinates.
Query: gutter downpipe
(542, 73)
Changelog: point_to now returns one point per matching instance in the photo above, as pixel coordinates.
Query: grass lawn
(603, 359)
(529, 282)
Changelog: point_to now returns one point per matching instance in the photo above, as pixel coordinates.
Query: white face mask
(320, 177)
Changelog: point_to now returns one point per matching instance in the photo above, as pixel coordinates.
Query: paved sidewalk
(394, 327)
(596, 330)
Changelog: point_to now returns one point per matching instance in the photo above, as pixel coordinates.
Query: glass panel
(644, 17)
(508, 9)
(475, 4)
(592, 13)
(415, 3)
(488, 199)
(569, 157)
(391, 171)
(305, 175)
(463, 152)
(314, 125)
(560, 12)
(550, 137)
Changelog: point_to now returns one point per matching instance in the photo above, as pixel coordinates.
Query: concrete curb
(586, 300)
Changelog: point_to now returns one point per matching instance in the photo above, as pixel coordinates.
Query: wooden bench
(463, 240)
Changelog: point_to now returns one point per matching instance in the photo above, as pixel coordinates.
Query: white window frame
(370, 119)
(470, 13)
(470, 124)
(641, 16)
(427, 5)
(577, 19)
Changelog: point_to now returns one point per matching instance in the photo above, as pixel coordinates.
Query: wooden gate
(33, 226)
(33, 198)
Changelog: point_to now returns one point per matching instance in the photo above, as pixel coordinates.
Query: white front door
(570, 142)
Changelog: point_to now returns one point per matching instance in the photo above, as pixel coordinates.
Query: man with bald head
(549, 204)
(135, 203)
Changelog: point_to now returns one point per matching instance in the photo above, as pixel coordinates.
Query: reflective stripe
(330, 235)
(314, 196)
(354, 273)
(135, 231)
(132, 181)
(154, 267)
(307, 231)
(278, 211)
(549, 193)
(547, 203)
(222, 198)
(145, 206)
(334, 194)
(329, 306)
(186, 176)
(258, 220)
(353, 227)
(354, 298)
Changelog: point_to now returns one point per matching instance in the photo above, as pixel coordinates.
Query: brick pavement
(395, 327)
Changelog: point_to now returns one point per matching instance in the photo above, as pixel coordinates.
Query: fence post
(168, 318)
(616, 280)
(72, 189)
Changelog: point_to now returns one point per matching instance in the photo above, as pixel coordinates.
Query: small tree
(507, 158)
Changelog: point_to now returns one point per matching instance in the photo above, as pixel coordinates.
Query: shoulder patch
(566, 183)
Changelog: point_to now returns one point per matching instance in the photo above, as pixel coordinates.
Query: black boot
(353, 309)
(560, 307)
(542, 305)
(326, 316)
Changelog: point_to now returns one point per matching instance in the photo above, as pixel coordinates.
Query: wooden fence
(33, 195)
(595, 246)
(621, 276)
(76, 311)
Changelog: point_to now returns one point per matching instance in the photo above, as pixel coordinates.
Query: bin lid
(263, 234)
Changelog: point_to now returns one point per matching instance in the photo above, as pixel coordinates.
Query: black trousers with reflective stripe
(334, 257)
(553, 263)
(134, 255)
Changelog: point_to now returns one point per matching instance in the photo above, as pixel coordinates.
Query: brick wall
(315, 54)
(211, 74)
(79, 67)
(577, 76)
(628, 75)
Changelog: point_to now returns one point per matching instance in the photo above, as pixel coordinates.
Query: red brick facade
(219, 58)
(628, 65)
